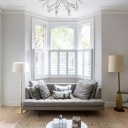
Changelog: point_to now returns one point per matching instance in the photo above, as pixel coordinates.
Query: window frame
(79, 25)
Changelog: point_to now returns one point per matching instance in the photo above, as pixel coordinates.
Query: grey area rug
(43, 125)
(32, 120)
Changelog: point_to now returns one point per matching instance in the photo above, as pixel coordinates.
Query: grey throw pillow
(93, 92)
(62, 94)
(62, 88)
(34, 92)
(83, 89)
(44, 91)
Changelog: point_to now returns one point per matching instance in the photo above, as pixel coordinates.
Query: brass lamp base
(119, 110)
(119, 107)
(20, 111)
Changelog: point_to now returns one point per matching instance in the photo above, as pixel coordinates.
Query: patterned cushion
(35, 83)
(44, 91)
(62, 88)
(34, 92)
(83, 89)
(62, 94)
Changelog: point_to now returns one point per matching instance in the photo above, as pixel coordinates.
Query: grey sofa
(74, 103)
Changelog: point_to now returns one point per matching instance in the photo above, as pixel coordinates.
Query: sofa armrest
(98, 92)
(27, 94)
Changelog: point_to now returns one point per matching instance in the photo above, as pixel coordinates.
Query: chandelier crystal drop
(54, 5)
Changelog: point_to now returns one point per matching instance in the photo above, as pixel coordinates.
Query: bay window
(64, 57)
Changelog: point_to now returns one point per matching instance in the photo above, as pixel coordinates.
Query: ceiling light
(55, 4)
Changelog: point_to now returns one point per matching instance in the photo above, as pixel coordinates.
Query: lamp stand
(20, 110)
(119, 107)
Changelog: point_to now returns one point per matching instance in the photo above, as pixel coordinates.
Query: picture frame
(125, 100)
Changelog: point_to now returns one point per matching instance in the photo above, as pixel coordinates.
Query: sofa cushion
(44, 91)
(34, 92)
(83, 89)
(51, 102)
(61, 94)
(62, 88)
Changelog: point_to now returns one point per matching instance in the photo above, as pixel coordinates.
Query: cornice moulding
(114, 10)
(23, 10)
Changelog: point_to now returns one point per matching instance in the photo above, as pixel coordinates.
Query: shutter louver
(71, 63)
(62, 63)
(45, 63)
(54, 63)
(87, 64)
(41, 64)
(84, 64)
(80, 63)
(38, 65)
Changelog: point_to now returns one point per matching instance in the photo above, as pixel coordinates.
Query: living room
(109, 20)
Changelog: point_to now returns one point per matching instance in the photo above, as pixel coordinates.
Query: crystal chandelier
(54, 5)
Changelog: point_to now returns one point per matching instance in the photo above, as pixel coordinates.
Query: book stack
(59, 123)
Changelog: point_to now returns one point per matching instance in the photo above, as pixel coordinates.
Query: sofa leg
(87, 113)
(39, 113)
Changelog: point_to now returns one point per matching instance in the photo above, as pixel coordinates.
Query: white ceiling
(86, 8)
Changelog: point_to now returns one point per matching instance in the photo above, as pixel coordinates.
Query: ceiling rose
(55, 4)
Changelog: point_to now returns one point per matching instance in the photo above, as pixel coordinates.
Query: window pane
(39, 36)
(71, 63)
(62, 64)
(85, 36)
(62, 38)
(54, 63)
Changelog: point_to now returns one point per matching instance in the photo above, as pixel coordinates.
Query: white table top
(69, 124)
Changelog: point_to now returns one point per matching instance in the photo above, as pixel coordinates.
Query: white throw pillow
(62, 88)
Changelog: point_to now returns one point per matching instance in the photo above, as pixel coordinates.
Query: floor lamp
(20, 67)
(115, 64)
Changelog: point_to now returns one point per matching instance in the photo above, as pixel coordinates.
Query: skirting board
(11, 104)
(110, 104)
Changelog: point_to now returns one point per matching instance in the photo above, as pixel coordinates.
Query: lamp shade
(20, 67)
(115, 63)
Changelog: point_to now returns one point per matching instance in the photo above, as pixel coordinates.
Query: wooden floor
(8, 116)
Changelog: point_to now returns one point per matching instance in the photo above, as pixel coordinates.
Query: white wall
(28, 46)
(13, 50)
(114, 41)
(0, 58)
(97, 53)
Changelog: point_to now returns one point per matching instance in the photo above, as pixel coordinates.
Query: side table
(69, 124)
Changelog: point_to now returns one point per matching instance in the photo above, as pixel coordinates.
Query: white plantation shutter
(87, 64)
(45, 63)
(80, 63)
(62, 63)
(84, 62)
(54, 63)
(40, 64)
(71, 63)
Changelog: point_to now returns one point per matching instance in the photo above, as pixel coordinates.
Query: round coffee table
(69, 124)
